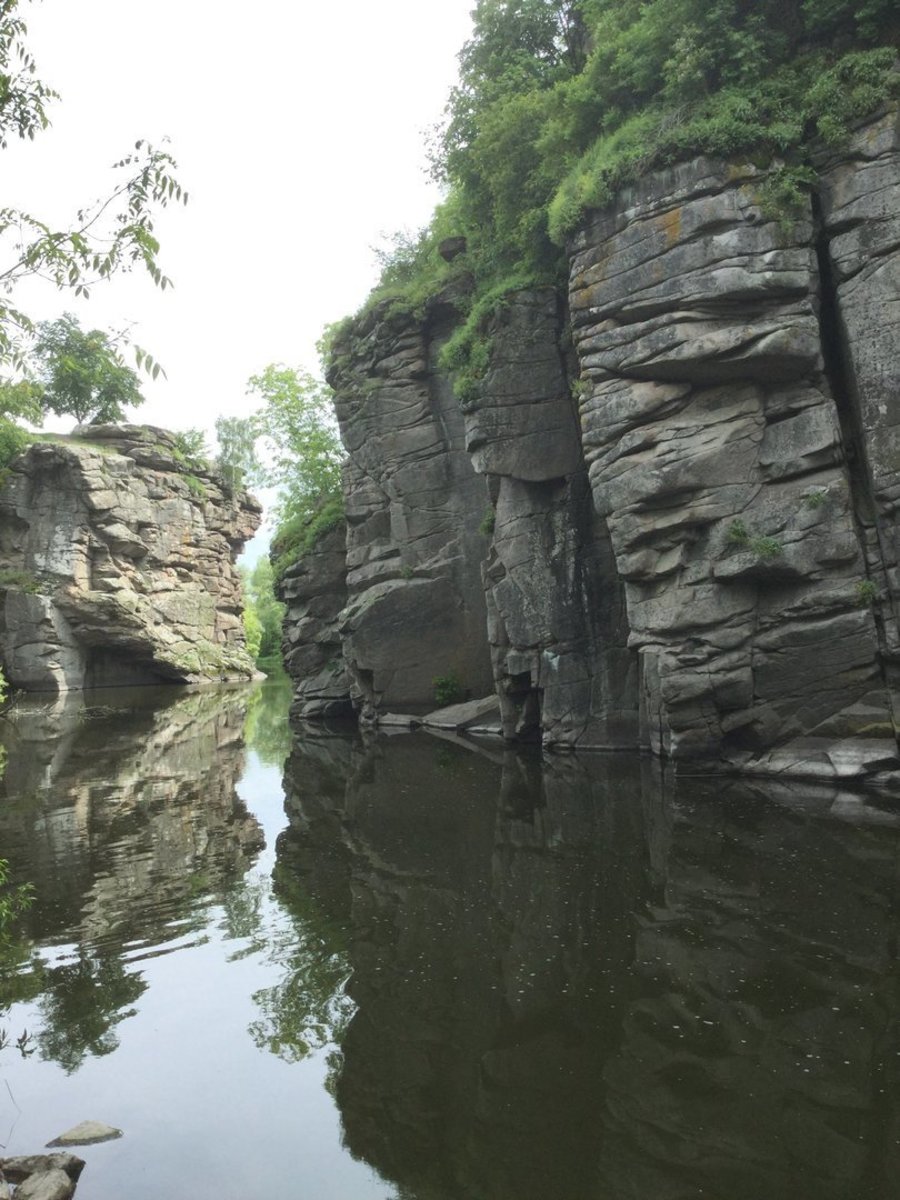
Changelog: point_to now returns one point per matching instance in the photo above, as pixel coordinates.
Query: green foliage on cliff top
(81, 374)
(560, 103)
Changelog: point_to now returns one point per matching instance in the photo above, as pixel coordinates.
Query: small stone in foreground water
(86, 1134)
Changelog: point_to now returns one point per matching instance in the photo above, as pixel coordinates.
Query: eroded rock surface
(717, 449)
(314, 592)
(117, 564)
(415, 607)
(692, 463)
(555, 608)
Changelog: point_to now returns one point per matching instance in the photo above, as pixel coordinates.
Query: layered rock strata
(117, 564)
(415, 609)
(693, 470)
(314, 593)
(555, 608)
(722, 434)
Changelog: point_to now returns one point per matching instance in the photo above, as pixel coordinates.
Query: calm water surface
(415, 969)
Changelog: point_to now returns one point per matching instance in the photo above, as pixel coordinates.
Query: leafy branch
(113, 235)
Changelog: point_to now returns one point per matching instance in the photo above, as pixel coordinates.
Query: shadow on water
(577, 979)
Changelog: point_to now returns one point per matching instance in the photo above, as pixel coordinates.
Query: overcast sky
(299, 133)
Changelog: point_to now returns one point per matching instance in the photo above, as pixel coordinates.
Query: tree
(302, 449)
(237, 460)
(110, 235)
(82, 374)
(259, 586)
(301, 456)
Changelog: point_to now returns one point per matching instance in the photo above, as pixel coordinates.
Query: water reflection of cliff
(121, 809)
(573, 982)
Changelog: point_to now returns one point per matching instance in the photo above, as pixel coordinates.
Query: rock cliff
(117, 564)
(415, 607)
(692, 464)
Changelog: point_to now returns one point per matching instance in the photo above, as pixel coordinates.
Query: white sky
(299, 132)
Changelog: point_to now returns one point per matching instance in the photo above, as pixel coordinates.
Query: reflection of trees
(81, 1003)
(308, 1008)
(573, 980)
(124, 814)
(266, 729)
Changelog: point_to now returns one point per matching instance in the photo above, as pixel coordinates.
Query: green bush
(766, 547)
(13, 440)
(22, 581)
(298, 535)
(488, 521)
(815, 499)
(560, 103)
(866, 593)
(738, 533)
(196, 486)
(447, 690)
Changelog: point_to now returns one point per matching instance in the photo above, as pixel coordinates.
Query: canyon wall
(117, 564)
(415, 608)
(665, 518)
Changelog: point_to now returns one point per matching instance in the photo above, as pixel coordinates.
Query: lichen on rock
(683, 480)
(114, 569)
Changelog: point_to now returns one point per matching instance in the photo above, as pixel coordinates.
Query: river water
(413, 968)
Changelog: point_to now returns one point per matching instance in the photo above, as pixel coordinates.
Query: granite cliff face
(693, 464)
(117, 564)
(415, 608)
(314, 592)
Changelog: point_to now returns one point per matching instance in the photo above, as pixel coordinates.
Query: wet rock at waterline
(41, 1176)
(86, 1133)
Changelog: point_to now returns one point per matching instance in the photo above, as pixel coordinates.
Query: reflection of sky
(205, 1113)
(266, 803)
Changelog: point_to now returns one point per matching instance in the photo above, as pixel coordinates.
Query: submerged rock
(465, 715)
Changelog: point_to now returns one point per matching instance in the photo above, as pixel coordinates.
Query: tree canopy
(81, 374)
(289, 442)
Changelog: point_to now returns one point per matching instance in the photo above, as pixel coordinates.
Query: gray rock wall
(556, 626)
(415, 607)
(724, 453)
(314, 592)
(117, 564)
(692, 466)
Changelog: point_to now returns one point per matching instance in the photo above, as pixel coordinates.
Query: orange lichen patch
(739, 171)
(670, 224)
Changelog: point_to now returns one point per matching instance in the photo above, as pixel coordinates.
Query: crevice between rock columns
(842, 383)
